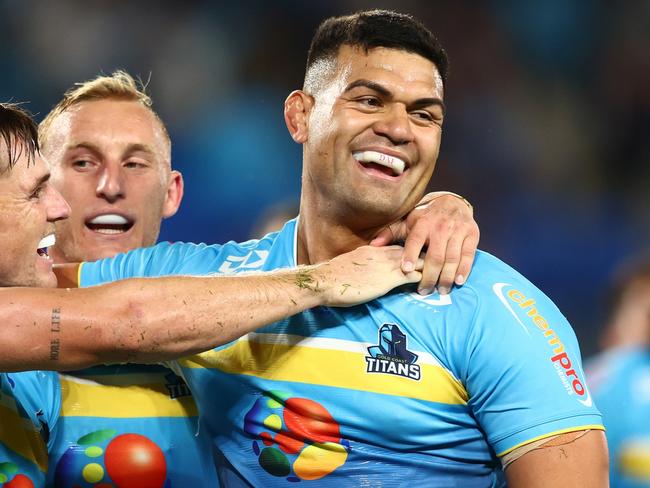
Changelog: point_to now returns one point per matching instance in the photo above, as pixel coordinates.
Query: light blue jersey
(621, 384)
(128, 425)
(426, 391)
(88, 430)
(29, 404)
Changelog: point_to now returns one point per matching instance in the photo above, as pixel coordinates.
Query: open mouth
(109, 224)
(388, 165)
(47, 241)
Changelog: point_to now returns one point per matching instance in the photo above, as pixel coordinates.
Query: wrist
(430, 197)
(312, 284)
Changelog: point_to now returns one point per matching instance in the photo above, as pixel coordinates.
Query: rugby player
(110, 157)
(438, 390)
(620, 376)
(150, 319)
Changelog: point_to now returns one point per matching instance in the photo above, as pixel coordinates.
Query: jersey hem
(551, 434)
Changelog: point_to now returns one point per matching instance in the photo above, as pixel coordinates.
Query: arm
(443, 222)
(156, 319)
(568, 460)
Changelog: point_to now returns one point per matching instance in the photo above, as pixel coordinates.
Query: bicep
(566, 460)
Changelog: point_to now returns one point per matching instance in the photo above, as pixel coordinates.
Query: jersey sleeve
(521, 365)
(164, 259)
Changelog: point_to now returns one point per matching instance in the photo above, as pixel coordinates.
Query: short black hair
(377, 28)
(19, 133)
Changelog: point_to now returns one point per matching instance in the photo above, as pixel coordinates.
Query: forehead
(25, 172)
(108, 121)
(402, 69)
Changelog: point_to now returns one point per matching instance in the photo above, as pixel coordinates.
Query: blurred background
(547, 131)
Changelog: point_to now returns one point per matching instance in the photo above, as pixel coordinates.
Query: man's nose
(395, 124)
(57, 207)
(110, 184)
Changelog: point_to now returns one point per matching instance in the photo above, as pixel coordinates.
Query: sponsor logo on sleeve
(391, 356)
(252, 260)
(514, 299)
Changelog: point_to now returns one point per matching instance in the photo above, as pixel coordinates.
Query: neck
(322, 235)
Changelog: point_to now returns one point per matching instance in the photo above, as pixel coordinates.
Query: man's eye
(134, 165)
(36, 194)
(424, 115)
(81, 164)
(370, 101)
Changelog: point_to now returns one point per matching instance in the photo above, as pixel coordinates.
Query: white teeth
(47, 241)
(396, 164)
(109, 219)
(109, 231)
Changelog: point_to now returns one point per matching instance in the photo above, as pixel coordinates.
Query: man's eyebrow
(130, 148)
(382, 90)
(140, 147)
(41, 181)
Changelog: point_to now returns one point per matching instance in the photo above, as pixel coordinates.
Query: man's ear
(297, 107)
(174, 194)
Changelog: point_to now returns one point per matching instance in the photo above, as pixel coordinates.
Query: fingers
(384, 237)
(449, 270)
(413, 246)
(467, 255)
(433, 263)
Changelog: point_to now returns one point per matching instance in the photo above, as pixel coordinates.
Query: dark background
(546, 130)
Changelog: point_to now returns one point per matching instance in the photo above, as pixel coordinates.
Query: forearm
(144, 320)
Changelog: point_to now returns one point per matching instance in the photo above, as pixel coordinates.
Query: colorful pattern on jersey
(620, 380)
(128, 426)
(26, 400)
(404, 389)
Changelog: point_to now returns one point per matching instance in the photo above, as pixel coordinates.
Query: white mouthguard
(396, 164)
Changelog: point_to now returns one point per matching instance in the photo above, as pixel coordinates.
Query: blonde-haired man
(110, 155)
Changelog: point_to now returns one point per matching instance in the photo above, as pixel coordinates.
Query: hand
(362, 275)
(446, 226)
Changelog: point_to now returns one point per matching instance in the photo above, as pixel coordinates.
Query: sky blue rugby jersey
(131, 425)
(28, 404)
(620, 381)
(427, 391)
(88, 430)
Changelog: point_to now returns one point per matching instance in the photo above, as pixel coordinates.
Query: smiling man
(148, 320)
(437, 390)
(110, 157)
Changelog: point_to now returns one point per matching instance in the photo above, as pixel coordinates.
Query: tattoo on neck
(55, 330)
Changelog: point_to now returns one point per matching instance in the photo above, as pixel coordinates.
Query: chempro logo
(558, 356)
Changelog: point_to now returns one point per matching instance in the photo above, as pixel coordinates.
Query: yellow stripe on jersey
(24, 441)
(83, 399)
(328, 367)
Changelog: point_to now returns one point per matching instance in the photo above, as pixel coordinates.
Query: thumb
(393, 233)
(384, 237)
(413, 277)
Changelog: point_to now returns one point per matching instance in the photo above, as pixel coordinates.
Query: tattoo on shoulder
(55, 331)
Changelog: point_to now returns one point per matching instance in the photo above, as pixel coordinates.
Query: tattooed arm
(155, 319)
